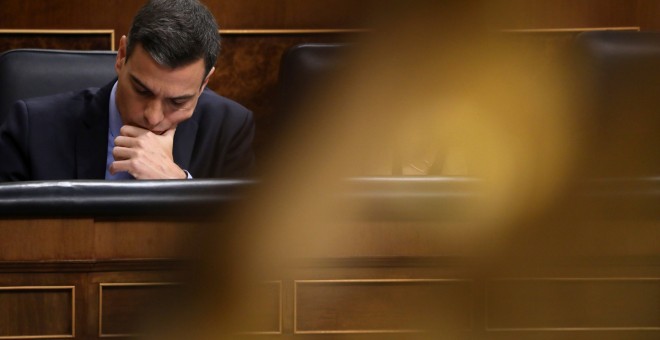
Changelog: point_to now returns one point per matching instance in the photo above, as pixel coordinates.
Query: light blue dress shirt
(113, 131)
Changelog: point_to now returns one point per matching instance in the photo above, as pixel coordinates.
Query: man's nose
(153, 113)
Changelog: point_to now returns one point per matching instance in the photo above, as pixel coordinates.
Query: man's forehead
(147, 66)
(196, 65)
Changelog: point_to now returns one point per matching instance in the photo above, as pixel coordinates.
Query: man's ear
(206, 80)
(121, 54)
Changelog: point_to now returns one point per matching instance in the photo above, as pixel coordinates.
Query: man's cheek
(180, 116)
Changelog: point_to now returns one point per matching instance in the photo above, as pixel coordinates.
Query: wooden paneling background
(248, 68)
(107, 258)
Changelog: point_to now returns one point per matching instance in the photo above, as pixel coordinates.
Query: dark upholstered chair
(27, 73)
(624, 69)
(303, 70)
(307, 64)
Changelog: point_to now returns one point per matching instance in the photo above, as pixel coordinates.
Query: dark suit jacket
(65, 137)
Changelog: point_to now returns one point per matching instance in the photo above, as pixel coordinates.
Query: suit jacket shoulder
(216, 142)
(55, 137)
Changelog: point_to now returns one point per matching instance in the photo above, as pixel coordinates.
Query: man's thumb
(169, 133)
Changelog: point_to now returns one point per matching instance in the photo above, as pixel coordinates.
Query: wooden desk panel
(46, 239)
(370, 278)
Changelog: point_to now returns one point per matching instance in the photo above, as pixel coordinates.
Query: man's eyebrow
(137, 81)
(182, 97)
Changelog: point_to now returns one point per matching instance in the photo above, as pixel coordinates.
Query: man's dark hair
(176, 33)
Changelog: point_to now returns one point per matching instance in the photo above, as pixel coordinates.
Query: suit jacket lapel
(92, 136)
(184, 141)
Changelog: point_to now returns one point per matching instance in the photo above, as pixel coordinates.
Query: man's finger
(132, 131)
(122, 153)
(119, 166)
(129, 142)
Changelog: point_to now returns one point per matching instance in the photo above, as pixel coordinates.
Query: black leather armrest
(381, 197)
(442, 198)
(85, 198)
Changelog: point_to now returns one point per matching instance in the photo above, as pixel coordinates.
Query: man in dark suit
(156, 121)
